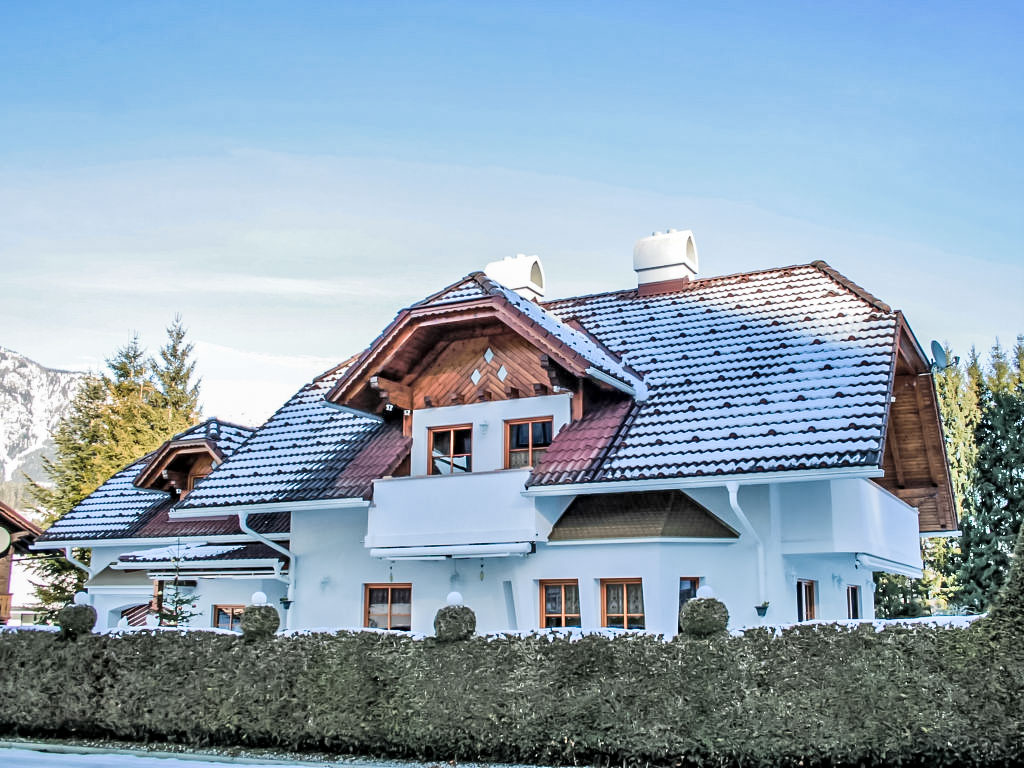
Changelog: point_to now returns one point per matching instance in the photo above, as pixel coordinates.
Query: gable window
(560, 603)
(526, 440)
(805, 600)
(228, 617)
(853, 602)
(451, 450)
(622, 603)
(388, 606)
(688, 586)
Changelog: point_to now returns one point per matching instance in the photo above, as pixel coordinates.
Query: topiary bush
(454, 622)
(260, 622)
(75, 621)
(703, 617)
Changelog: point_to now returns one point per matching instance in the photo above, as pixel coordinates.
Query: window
(228, 617)
(388, 606)
(622, 603)
(560, 603)
(687, 589)
(805, 606)
(526, 441)
(451, 450)
(853, 602)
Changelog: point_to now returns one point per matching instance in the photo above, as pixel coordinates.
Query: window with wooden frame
(806, 603)
(228, 617)
(622, 603)
(451, 450)
(526, 440)
(560, 603)
(688, 586)
(853, 602)
(388, 606)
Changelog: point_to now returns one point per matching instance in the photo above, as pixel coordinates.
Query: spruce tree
(995, 502)
(178, 391)
(116, 418)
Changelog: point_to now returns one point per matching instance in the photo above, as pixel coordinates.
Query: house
(589, 461)
(16, 534)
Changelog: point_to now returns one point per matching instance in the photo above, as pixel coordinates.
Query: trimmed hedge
(703, 617)
(819, 695)
(75, 621)
(815, 695)
(260, 622)
(453, 623)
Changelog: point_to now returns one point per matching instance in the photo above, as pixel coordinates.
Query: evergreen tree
(116, 418)
(178, 393)
(995, 502)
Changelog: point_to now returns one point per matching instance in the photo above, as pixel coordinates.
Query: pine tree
(178, 396)
(116, 418)
(995, 502)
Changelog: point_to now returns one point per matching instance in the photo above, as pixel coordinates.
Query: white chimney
(665, 256)
(523, 274)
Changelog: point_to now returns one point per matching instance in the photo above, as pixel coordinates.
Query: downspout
(762, 575)
(243, 523)
(77, 563)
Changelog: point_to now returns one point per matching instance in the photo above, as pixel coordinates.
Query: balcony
(5, 608)
(469, 515)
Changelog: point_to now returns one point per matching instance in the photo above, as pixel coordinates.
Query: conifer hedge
(814, 695)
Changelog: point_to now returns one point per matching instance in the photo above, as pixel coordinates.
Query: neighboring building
(16, 534)
(588, 462)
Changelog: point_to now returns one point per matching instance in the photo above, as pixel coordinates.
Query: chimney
(523, 274)
(665, 261)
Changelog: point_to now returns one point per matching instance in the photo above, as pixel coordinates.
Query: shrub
(454, 622)
(260, 622)
(75, 621)
(813, 695)
(703, 617)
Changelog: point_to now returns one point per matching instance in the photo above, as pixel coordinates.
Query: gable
(649, 514)
(492, 367)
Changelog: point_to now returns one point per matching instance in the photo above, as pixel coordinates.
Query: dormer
(478, 341)
(183, 461)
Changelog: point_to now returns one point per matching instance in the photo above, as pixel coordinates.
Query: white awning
(454, 551)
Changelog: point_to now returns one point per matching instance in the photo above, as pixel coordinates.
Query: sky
(287, 176)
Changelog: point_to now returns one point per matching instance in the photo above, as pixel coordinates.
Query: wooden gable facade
(475, 352)
(914, 459)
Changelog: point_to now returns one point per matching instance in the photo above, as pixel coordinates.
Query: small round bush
(260, 622)
(454, 622)
(75, 621)
(703, 617)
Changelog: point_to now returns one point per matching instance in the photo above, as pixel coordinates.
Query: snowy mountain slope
(32, 400)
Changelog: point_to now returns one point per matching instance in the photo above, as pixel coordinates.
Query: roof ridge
(851, 286)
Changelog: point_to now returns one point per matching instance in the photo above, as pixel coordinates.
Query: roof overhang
(708, 481)
(455, 551)
(281, 506)
(227, 538)
(150, 476)
(419, 326)
(272, 565)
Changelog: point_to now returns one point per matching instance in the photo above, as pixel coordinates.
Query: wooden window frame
(431, 431)
(558, 583)
(605, 583)
(390, 587)
(853, 602)
(228, 608)
(529, 451)
(810, 611)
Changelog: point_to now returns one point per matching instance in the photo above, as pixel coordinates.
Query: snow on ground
(28, 758)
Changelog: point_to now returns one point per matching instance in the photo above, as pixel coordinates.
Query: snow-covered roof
(117, 509)
(784, 369)
(190, 554)
(304, 451)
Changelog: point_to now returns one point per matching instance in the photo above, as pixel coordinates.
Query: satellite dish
(5, 541)
(941, 361)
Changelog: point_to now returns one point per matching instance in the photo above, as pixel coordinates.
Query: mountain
(32, 400)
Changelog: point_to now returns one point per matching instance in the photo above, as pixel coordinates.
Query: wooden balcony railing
(5, 608)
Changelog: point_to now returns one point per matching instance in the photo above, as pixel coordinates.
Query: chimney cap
(523, 274)
(670, 255)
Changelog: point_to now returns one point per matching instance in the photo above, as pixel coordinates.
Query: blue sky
(287, 175)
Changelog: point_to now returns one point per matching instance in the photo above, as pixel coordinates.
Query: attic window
(526, 441)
